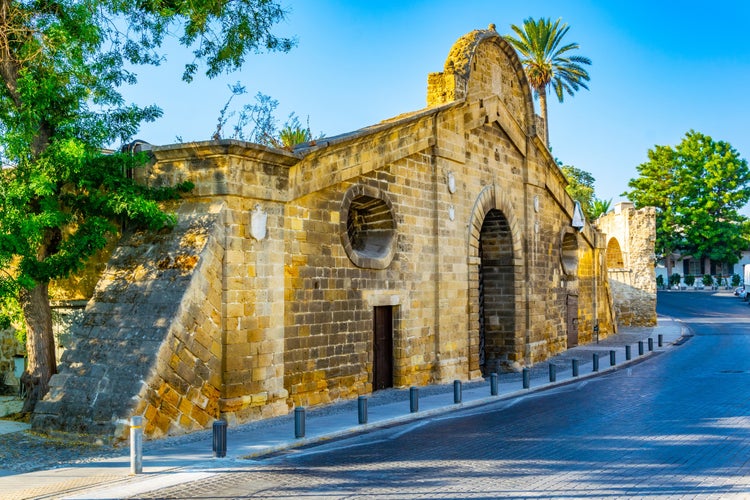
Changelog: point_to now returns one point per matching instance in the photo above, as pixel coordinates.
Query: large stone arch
(482, 63)
(493, 218)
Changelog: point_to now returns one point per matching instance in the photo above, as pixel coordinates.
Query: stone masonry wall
(632, 275)
(452, 220)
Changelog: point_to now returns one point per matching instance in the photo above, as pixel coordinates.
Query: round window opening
(370, 230)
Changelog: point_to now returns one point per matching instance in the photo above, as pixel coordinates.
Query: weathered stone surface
(451, 222)
(127, 347)
(631, 236)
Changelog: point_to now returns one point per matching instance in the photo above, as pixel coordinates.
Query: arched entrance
(496, 294)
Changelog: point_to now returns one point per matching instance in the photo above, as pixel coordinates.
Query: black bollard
(456, 391)
(627, 353)
(299, 422)
(650, 344)
(220, 438)
(413, 400)
(640, 348)
(552, 373)
(575, 367)
(661, 340)
(362, 409)
(596, 363)
(612, 358)
(526, 378)
(493, 384)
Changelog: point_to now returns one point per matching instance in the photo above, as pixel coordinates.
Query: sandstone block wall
(630, 263)
(434, 246)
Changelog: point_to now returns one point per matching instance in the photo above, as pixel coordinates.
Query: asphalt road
(676, 425)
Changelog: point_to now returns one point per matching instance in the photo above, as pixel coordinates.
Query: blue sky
(660, 68)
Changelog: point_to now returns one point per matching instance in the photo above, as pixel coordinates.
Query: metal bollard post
(362, 409)
(640, 348)
(493, 384)
(413, 400)
(526, 378)
(456, 391)
(650, 344)
(627, 353)
(299, 422)
(612, 358)
(220, 438)
(552, 373)
(661, 340)
(596, 363)
(575, 367)
(136, 444)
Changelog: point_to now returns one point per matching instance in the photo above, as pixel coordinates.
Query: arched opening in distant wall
(614, 255)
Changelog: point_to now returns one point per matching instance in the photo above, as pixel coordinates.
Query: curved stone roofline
(462, 54)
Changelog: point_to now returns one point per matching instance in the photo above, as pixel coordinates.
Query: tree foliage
(698, 187)
(547, 60)
(581, 188)
(600, 207)
(61, 65)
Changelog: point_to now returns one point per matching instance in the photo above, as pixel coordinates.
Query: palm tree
(600, 207)
(547, 62)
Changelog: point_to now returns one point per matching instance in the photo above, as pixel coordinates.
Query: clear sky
(659, 69)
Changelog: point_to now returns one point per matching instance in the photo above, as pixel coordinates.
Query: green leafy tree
(698, 187)
(61, 65)
(581, 188)
(547, 61)
(256, 122)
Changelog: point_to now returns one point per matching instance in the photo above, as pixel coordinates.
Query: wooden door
(382, 348)
(572, 315)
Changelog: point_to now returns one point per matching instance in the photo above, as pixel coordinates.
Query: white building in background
(720, 271)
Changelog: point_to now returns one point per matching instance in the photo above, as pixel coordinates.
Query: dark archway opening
(496, 295)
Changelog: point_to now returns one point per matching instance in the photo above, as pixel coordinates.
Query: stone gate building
(434, 246)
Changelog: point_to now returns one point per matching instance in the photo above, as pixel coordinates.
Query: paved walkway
(179, 460)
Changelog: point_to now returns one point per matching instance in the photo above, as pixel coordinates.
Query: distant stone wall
(631, 235)
(9, 349)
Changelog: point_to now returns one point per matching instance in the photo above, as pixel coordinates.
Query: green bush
(689, 280)
(708, 280)
(675, 279)
(660, 281)
(735, 280)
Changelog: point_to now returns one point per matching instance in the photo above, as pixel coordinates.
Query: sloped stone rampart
(150, 339)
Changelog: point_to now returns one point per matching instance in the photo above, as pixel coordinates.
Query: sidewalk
(188, 458)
